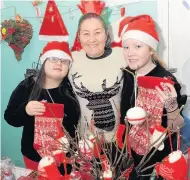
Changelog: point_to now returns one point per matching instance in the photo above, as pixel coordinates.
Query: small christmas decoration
(17, 33)
(53, 27)
(174, 166)
(136, 115)
(36, 4)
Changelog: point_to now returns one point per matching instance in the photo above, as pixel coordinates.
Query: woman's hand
(34, 108)
(168, 96)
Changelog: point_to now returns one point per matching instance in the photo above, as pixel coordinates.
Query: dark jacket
(128, 101)
(16, 115)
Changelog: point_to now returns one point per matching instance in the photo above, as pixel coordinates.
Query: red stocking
(48, 125)
(147, 99)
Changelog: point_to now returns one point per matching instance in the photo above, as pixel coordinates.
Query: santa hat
(53, 28)
(114, 29)
(140, 28)
(56, 49)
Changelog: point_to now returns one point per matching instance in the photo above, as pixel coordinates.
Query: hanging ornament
(107, 175)
(53, 27)
(122, 11)
(91, 6)
(17, 33)
(36, 4)
(158, 134)
(114, 29)
(48, 168)
(172, 163)
(136, 115)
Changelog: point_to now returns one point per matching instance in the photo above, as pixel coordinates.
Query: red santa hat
(53, 28)
(56, 49)
(140, 28)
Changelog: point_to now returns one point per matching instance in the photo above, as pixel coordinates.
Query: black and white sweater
(97, 84)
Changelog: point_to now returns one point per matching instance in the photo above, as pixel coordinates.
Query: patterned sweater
(97, 84)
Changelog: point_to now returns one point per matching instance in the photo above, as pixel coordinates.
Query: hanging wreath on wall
(17, 33)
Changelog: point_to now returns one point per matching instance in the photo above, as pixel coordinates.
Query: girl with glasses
(49, 85)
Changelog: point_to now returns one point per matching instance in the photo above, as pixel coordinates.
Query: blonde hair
(156, 58)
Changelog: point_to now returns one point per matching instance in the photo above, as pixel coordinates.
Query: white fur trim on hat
(55, 53)
(53, 38)
(141, 36)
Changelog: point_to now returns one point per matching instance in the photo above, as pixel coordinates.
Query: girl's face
(56, 68)
(92, 37)
(137, 54)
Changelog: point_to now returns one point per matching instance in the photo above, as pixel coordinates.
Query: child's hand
(34, 108)
(168, 96)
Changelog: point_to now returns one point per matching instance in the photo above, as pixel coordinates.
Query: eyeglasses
(55, 60)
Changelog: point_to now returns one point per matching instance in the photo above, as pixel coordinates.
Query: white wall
(174, 20)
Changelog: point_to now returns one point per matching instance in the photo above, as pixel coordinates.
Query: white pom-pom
(136, 115)
(175, 156)
(44, 162)
(158, 137)
(107, 174)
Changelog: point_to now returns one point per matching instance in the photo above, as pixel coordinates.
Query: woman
(51, 85)
(139, 41)
(96, 76)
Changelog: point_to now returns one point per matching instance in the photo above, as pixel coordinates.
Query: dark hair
(95, 16)
(65, 88)
(39, 83)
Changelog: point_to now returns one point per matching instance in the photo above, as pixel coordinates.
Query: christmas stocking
(147, 99)
(157, 136)
(174, 166)
(48, 169)
(48, 128)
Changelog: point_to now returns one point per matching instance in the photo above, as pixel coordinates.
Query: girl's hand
(34, 108)
(168, 96)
